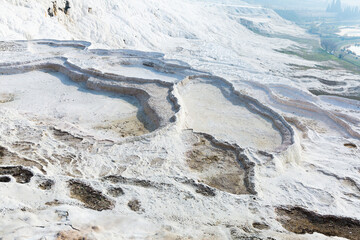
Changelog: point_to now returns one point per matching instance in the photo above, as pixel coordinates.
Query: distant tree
(338, 6)
(334, 7)
(330, 6)
(356, 12)
(346, 12)
(350, 13)
(328, 44)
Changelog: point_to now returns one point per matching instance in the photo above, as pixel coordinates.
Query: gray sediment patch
(21, 174)
(133, 181)
(8, 157)
(65, 136)
(221, 165)
(91, 198)
(115, 191)
(322, 80)
(45, 184)
(199, 187)
(130, 126)
(159, 186)
(71, 235)
(302, 221)
(135, 205)
(350, 145)
(319, 92)
(5, 179)
(6, 97)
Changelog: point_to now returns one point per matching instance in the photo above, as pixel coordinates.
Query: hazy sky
(351, 2)
(302, 4)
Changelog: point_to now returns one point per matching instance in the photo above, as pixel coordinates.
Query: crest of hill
(159, 25)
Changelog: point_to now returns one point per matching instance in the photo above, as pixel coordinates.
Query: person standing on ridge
(54, 8)
(67, 7)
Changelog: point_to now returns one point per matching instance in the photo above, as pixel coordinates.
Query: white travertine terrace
(215, 129)
(159, 144)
